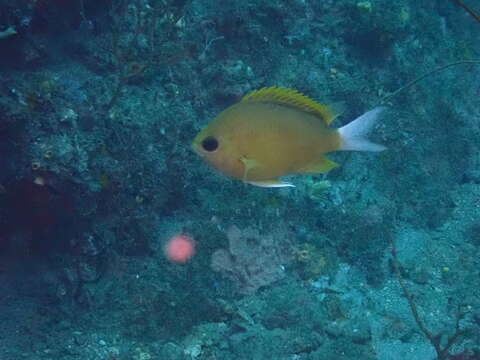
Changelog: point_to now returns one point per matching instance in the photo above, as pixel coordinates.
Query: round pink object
(180, 248)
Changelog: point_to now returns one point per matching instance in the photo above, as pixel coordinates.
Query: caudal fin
(353, 136)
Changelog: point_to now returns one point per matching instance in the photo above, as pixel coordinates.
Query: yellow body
(270, 133)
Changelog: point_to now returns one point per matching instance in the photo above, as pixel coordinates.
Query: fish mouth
(196, 148)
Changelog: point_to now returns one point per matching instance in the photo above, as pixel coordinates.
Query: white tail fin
(354, 135)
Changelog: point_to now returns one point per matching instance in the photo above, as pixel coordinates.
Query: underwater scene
(239, 180)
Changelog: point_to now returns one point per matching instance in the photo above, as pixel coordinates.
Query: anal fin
(321, 166)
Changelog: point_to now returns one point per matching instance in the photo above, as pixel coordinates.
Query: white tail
(354, 135)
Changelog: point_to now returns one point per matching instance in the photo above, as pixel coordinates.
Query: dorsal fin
(290, 97)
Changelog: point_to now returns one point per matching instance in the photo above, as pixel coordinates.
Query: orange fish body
(270, 133)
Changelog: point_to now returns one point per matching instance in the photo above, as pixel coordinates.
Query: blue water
(99, 103)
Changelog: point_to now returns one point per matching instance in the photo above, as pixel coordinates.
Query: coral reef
(99, 104)
(253, 260)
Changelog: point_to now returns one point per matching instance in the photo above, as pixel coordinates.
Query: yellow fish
(277, 131)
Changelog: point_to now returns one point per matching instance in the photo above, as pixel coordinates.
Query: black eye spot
(210, 144)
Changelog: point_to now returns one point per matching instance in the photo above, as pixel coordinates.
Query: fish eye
(210, 144)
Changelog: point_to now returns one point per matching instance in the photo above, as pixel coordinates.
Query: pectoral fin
(249, 164)
(319, 167)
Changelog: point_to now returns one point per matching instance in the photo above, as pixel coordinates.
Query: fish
(277, 131)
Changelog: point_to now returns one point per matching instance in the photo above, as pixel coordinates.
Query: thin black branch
(443, 353)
